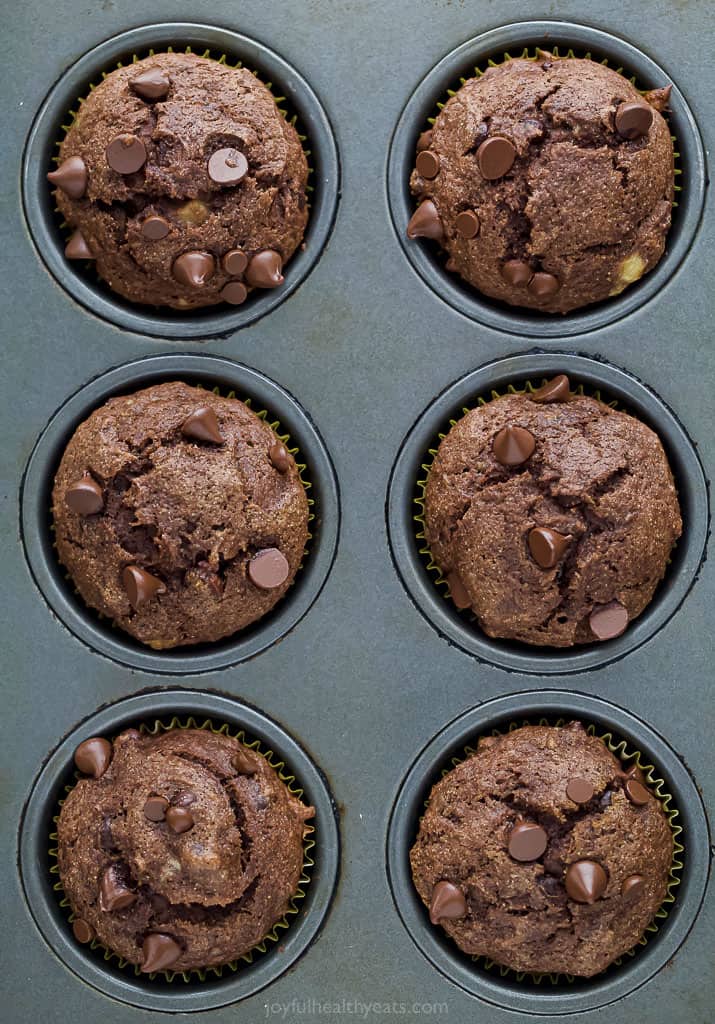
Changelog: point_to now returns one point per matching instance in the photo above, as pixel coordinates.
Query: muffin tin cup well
(155, 993)
(461, 63)
(36, 519)
(38, 202)
(525, 995)
(413, 462)
(156, 727)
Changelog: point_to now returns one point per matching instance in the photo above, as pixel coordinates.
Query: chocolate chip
(458, 592)
(608, 620)
(279, 457)
(234, 262)
(159, 952)
(126, 154)
(141, 586)
(495, 157)
(517, 272)
(447, 902)
(543, 285)
(152, 84)
(427, 164)
(636, 792)
(113, 893)
(243, 764)
(634, 772)
(467, 224)
(268, 569)
(425, 140)
(193, 268)
(513, 445)
(234, 292)
(425, 222)
(85, 496)
(579, 790)
(547, 546)
(155, 227)
(179, 819)
(77, 248)
(585, 881)
(527, 841)
(554, 866)
(159, 903)
(202, 425)
(184, 800)
(106, 839)
(264, 270)
(556, 390)
(658, 98)
(82, 931)
(634, 885)
(155, 808)
(71, 177)
(551, 886)
(93, 756)
(227, 166)
(633, 120)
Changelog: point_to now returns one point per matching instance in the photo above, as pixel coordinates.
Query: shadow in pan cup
(461, 63)
(157, 993)
(526, 995)
(36, 518)
(632, 396)
(44, 223)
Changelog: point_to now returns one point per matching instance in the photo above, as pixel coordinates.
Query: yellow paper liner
(629, 756)
(421, 484)
(291, 118)
(285, 438)
(273, 936)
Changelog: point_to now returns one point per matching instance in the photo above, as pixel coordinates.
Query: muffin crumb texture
(552, 516)
(543, 852)
(179, 515)
(549, 182)
(183, 182)
(180, 850)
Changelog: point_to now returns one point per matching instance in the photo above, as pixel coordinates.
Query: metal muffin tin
(372, 676)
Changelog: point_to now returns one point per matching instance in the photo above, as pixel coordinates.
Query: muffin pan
(364, 661)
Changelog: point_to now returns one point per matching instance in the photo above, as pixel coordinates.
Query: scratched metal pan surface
(365, 681)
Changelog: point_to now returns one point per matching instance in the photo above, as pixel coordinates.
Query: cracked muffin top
(542, 853)
(179, 850)
(183, 182)
(179, 514)
(552, 516)
(548, 182)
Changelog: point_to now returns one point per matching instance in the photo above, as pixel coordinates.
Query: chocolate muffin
(179, 514)
(542, 853)
(548, 182)
(552, 516)
(183, 182)
(180, 850)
